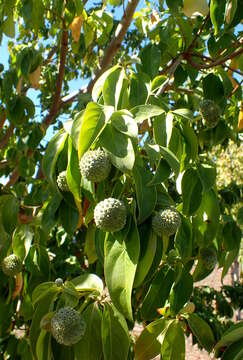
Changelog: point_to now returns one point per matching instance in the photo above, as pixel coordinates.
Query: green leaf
(143, 112)
(37, 14)
(229, 259)
(43, 290)
(69, 217)
(89, 246)
(146, 195)
(88, 283)
(183, 239)
(186, 31)
(217, 14)
(151, 58)
(162, 127)
(139, 89)
(119, 147)
(207, 174)
(207, 219)
(148, 344)
(43, 346)
(123, 121)
(115, 335)
(76, 126)
(98, 86)
(202, 331)
(146, 257)
(113, 86)
(181, 292)
(231, 236)
(158, 293)
(93, 121)
(121, 258)
(90, 346)
(186, 114)
(55, 146)
(73, 173)
(234, 351)
(171, 159)
(8, 27)
(173, 346)
(200, 272)
(162, 173)
(213, 88)
(21, 241)
(191, 142)
(191, 191)
(233, 334)
(44, 306)
(10, 211)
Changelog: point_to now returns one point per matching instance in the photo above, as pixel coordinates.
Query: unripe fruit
(59, 282)
(189, 308)
(62, 181)
(166, 222)
(11, 265)
(67, 326)
(210, 112)
(95, 165)
(208, 258)
(110, 215)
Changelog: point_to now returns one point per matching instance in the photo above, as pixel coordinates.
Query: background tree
(113, 219)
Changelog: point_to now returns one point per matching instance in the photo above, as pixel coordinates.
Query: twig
(6, 137)
(50, 55)
(13, 178)
(199, 32)
(171, 72)
(215, 62)
(2, 120)
(56, 100)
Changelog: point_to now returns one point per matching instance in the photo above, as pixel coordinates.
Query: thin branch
(6, 137)
(215, 62)
(50, 55)
(13, 178)
(171, 72)
(199, 32)
(56, 99)
(204, 57)
(3, 119)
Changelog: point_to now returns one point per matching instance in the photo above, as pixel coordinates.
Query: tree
(113, 219)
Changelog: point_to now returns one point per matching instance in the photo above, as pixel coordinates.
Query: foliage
(148, 73)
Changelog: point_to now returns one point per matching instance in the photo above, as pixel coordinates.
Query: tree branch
(221, 61)
(2, 120)
(56, 100)
(6, 137)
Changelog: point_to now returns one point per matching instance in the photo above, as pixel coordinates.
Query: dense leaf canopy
(159, 91)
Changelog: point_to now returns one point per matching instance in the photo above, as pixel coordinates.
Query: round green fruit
(62, 181)
(210, 112)
(166, 222)
(59, 282)
(67, 326)
(95, 165)
(11, 265)
(110, 215)
(208, 258)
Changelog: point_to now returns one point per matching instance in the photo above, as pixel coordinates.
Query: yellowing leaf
(240, 118)
(34, 78)
(75, 27)
(194, 8)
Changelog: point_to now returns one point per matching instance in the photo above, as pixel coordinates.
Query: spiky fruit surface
(62, 181)
(95, 165)
(166, 222)
(11, 265)
(110, 215)
(59, 282)
(208, 257)
(210, 112)
(67, 326)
